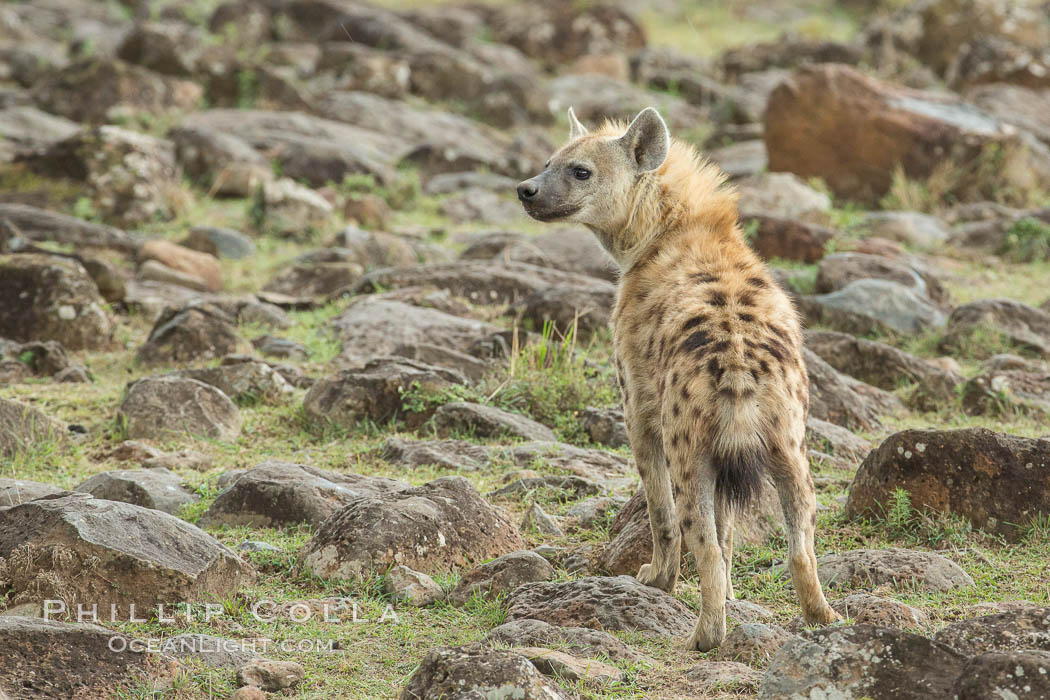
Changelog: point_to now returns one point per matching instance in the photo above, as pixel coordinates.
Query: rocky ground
(276, 336)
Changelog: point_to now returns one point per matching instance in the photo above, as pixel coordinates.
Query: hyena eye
(547, 165)
(581, 173)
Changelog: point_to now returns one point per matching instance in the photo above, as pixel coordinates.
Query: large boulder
(582, 641)
(375, 326)
(99, 89)
(24, 427)
(610, 603)
(157, 488)
(1025, 628)
(275, 494)
(501, 576)
(434, 528)
(861, 661)
(559, 33)
(1024, 326)
(51, 659)
(837, 270)
(478, 672)
(43, 225)
(128, 175)
(80, 549)
(885, 366)
(899, 567)
(244, 382)
(16, 491)
(842, 400)
(834, 122)
(998, 482)
(172, 406)
(375, 393)
(52, 298)
(872, 305)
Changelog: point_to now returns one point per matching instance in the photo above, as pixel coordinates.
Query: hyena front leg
(696, 516)
(647, 446)
(795, 488)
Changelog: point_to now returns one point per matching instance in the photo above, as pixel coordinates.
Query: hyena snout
(528, 189)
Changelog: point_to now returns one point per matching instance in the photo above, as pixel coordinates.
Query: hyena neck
(685, 197)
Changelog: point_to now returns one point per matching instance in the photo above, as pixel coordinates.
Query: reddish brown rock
(997, 481)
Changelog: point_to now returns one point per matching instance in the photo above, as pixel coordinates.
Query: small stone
(537, 519)
(270, 675)
(501, 575)
(405, 585)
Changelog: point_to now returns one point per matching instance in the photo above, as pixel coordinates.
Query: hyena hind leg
(795, 488)
(724, 522)
(696, 515)
(647, 447)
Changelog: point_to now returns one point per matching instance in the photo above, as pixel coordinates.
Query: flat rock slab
(864, 568)
(602, 602)
(275, 494)
(858, 662)
(435, 528)
(1027, 628)
(488, 421)
(51, 659)
(17, 491)
(580, 641)
(170, 406)
(459, 455)
(478, 672)
(998, 482)
(158, 488)
(88, 550)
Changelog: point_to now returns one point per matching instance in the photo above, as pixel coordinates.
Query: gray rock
(558, 664)
(24, 427)
(435, 528)
(1022, 325)
(837, 270)
(274, 494)
(244, 382)
(862, 568)
(753, 643)
(828, 438)
(16, 491)
(713, 676)
(868, 609)
(568, 248)
(598, 97)
(1020, 674)
(912, 228)
(783, 196)
(220, 242)
(405, 585)
(375, 326)
(538, 520)
(615, 603)
(1025, 628)
(882, 663)
(478, 672)
(501, 576)
(199, 331)
(376, 392)
(487, 421)
(150, 488)
(88, 550)
(871, 304)
(842, 400)
(53, 298)
(49, 659)
(605, 426)
(166, 407)
(270, 675)
(582, 309)
(457, 455)
(581, 641)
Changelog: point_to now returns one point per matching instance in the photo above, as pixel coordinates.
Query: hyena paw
(650, 576)
(825, 616)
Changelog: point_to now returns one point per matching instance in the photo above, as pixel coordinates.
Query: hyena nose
(527, 190)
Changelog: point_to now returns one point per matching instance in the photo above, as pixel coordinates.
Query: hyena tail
(739, 474)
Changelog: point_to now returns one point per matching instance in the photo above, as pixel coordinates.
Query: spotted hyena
(708, 352)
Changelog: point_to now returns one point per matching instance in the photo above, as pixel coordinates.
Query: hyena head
(591, 180)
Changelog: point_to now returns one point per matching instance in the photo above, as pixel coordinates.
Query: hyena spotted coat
(708, 352)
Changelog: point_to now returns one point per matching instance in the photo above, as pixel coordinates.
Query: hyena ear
(647, 140)
(576, 129)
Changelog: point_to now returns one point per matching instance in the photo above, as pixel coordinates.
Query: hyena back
(708, 353)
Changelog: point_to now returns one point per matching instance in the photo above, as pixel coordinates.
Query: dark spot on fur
(676, 410)
(754, 374)
(685, 392)
(727, 326)
(695, 341)
(687, 523)
(715, 369)
(746, 299)
(716, 298)
(702, 278)
(774, 350)
(763, 366)
(757, 282)
(693, 322)
(746, 318)
(720, 346)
